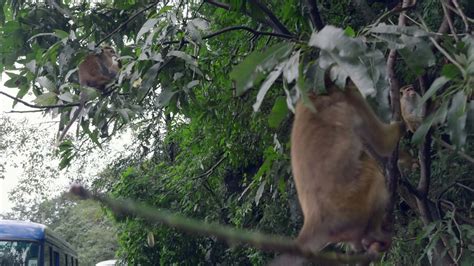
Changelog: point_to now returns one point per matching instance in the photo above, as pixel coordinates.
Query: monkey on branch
(96, 71)
(341, 188)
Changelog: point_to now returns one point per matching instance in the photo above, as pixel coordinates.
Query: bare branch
(453, 149)
(232, 28)
(448, 18)
(39, 106)
(393, 173)
(225, 233)
(461, 14)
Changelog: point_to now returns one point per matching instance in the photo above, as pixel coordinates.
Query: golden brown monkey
(412, 115)
(97, 70)
(341, 188)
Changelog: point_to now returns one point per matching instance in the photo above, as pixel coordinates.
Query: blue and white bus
(32, 244)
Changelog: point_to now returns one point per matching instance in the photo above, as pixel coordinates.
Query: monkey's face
(110, 53)
(408, 92)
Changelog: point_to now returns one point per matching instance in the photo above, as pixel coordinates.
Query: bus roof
(21, 230)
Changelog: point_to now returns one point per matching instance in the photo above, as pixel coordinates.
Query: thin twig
(127, 21)
(23, 112)
(461, 14)
(232, 28)
(450, 21)
(453, 149)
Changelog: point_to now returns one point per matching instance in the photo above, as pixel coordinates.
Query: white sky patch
(60, 183)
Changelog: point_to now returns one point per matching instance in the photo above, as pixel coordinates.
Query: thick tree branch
(225, 233)
(39, 106)
(314, 14)
(393, 173)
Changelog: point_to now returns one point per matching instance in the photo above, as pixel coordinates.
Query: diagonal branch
(314, 14)
(276, 24)
(221, 232)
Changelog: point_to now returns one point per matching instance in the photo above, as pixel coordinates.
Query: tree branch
(276, 24)
(221, 232)
(232, 28)
(39, 106)
(314, 14)
(393, 173)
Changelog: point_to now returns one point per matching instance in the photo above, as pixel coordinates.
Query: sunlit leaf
(278, 113)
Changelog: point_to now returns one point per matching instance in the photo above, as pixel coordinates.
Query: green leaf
(48, 98)
(46, 83)
(290, 69)
(61, 34)
(266, 86)
(165, 97)
(149, 24)
(346, 56)
(257, 64)
(278, 113)
(349, 31)
(435, 86)
(457, 115)
(428, 122)
(182, 55)
(259, 193)
(450, 71)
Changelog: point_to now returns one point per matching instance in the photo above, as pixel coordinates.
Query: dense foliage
(208, 90)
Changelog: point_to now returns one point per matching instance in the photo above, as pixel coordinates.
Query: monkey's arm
(381, 137)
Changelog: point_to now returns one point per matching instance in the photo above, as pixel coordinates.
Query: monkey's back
(330, 168)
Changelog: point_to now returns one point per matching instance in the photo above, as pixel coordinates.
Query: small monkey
(411, 114)
(97, 70)
(340, 187)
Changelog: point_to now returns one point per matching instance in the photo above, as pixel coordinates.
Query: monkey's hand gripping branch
(225, 233)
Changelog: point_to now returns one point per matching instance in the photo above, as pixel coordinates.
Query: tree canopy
(206, 95)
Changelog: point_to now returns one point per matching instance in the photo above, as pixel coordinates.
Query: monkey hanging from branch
(341, 187)
(96, 71)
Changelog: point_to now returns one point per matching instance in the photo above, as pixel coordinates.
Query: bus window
(19, 253)
(48, 255)
(56, 259)
(62, 260)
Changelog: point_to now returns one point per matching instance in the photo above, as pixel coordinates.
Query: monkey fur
(96, 71)
(340, 187)
(411, 114)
